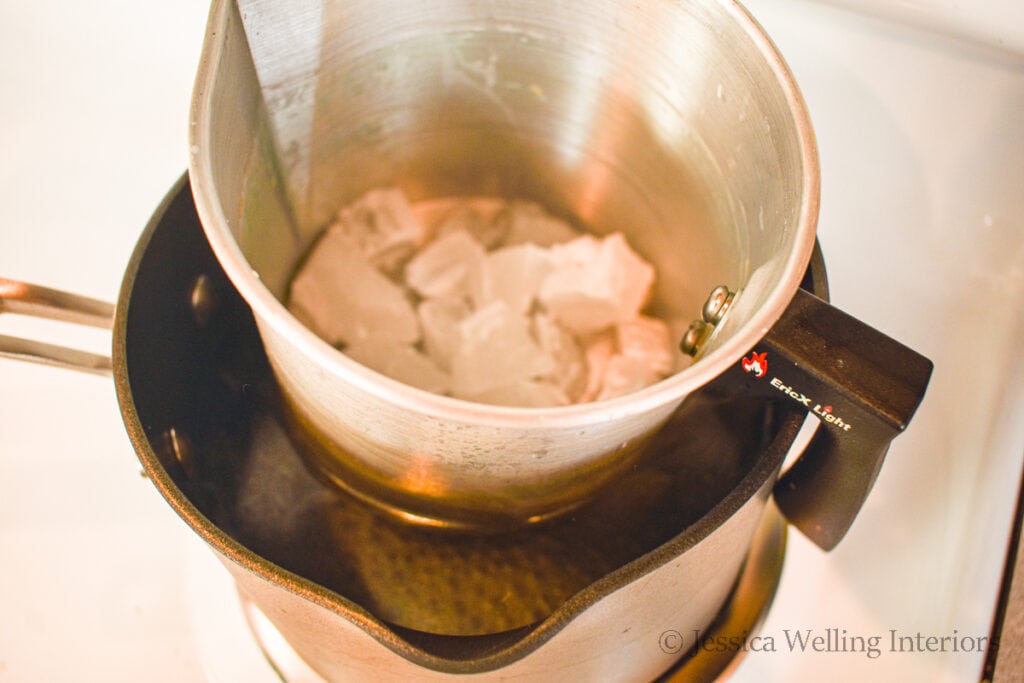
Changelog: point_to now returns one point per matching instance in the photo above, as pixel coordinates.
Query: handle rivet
(717, 304)
(693, 337)
(715, 308)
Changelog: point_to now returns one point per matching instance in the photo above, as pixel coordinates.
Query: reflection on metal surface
(203, 299)
(178, 448)
(42, 302)
(50, 354)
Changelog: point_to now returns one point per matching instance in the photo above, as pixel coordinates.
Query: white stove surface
(919, 109)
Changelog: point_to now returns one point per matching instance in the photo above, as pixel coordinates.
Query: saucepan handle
(42, 302)
(863, 386)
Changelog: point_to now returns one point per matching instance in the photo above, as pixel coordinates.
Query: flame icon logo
(756, 364)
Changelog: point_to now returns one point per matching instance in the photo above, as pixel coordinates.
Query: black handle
(861, 384)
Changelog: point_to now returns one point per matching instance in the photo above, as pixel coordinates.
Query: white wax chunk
(382, 226)
(495, 349)
(632, 276)
(569, 373)
(343, 298)
(624, 375)
(598, 350)
(444, 266)
(648, 340)
(439, 321)
(595, 283)
(528, 223)
(511, 274)
(477, 217)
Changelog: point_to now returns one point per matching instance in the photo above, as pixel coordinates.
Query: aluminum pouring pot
(677, 123)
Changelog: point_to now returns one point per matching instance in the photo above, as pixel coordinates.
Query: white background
(921, 137)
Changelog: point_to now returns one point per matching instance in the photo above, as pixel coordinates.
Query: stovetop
(917, 106)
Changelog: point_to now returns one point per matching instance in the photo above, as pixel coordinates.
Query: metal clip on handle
(41, 302)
